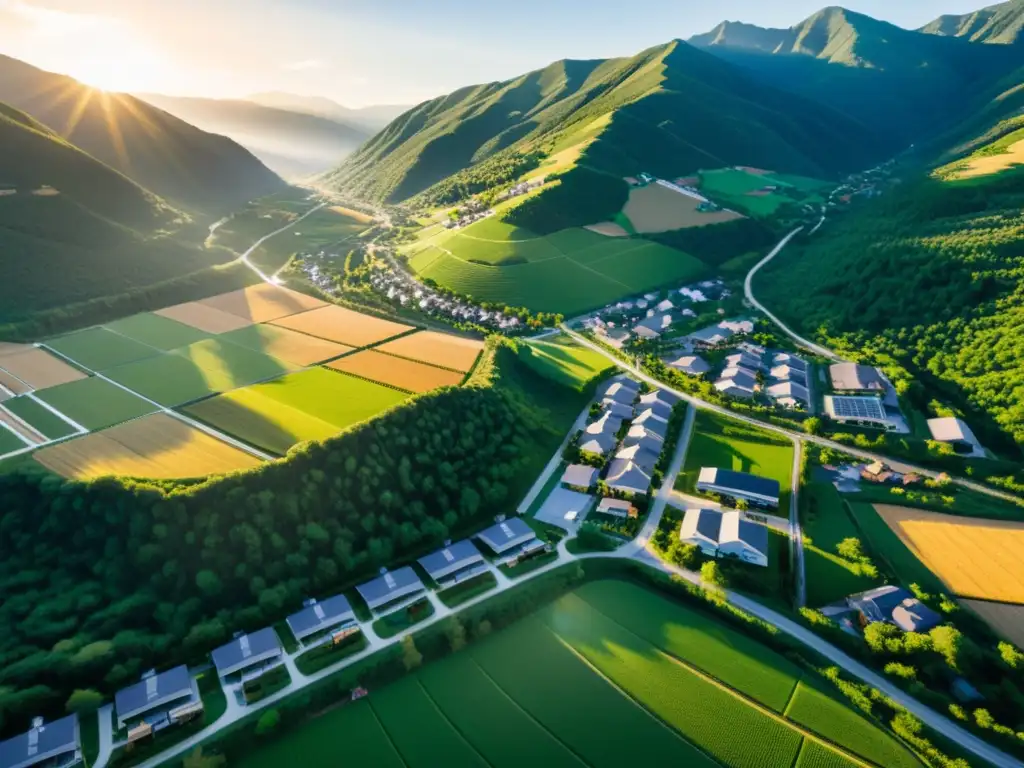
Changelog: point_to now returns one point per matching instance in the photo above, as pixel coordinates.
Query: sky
(368, 52)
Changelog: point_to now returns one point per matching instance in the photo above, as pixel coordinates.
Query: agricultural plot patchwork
(440, 349)
(203, 317)
(10, 442)
(35, 368)
(343, 326)
(291, 346)
(39, 417)
(95, 403)
(407, 375)
(760, 194)
(157, 331)
(263, 303)
(655, 208)
(99, 349)
(563, 360)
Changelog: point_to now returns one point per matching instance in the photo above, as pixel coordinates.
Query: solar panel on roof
(506, 530)
(243, 642)
(448, 555)
(858, 408)
(151, 688)
(390, 581)
(319, 611)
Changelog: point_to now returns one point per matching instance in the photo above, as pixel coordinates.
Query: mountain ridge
(1001, 24)
(372, 117)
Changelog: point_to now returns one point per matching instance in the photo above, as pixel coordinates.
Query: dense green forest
(104, 580)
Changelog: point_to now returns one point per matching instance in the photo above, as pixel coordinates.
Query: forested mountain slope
(72, 228)
(669, 110)
(189, 167)
(293, 144)
(999, 24)
(904, 84)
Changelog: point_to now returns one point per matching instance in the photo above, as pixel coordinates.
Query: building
(321, 615)
(654, 326)
(454, 563)
(710, 338)
(641, 448)
(390, 587)
(665, 305)
(616, 409)
(894, 605)
(787, 372)
(579, 476)
(599, 445)
(861, 411)
(785, 358)
(737, 382)
(954, 431)
(737, 326)
(507, 535)
(158, 699)
(745, 360)
(622, 391)
(854, 378)
(255, 651)
(615, 337)
(617, 508)
(725, 534)
(56, 744)
(659, 401)
(789, 393)
(626, 476)
(691, 365)
(762, 491)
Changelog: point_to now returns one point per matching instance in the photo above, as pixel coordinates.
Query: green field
(157, 331)
(885, 547)
(9, 441)
(568, 272)
(719, 441)
(829, 577)
(197, 371)
(36, 415)
(99, 349)
(309, 405)
(95, 403)
(732, 188)
(561, 359)
(607, 674)
(312, 234)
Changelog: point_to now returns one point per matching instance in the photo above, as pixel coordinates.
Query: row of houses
(784, 376)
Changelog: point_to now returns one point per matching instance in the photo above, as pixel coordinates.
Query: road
(244, 258)
(796, 531)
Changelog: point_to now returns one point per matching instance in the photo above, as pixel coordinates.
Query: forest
(110, 578)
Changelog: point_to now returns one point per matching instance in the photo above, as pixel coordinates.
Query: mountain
(371, 118)
(903, 84)
(293, 144)
(74, 229)
(191, 168)
(670, 110)
(999, 24)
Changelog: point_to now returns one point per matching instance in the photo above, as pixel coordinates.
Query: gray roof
(626, 475)
(652, 422)
(739, 378)
(737, 528)
(895, 605)
(789, 389)
(246, 650)
(452, 558)
(507, 534)
(691, 364)
(743, 360)
(785, 358)
(622, 392)
(853, 377)
(617, 409)
(706, 522)
(160, 690)
(390, 586)
(40, 744)
(951, 429)
(657, 323)
(743, 482)
(712, 335)
(320, 615)
(600, 444)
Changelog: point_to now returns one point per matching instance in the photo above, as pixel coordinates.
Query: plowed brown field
(440, 349)
(396, 371)
(263, 303)
(39, 369)
(343, 326)
(204, 318)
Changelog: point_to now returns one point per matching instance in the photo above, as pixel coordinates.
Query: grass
(826, 522)
(468, 589)
(722, 442)
(887, 547)
(157, 331)
(310, 405)
(9, 441)
(197, 371)
(814, 755)
(396, 621)
(95, 403)
(321, 229)
(267, 684)
(321, 656)
(89, 732)
(36, 415)
(99, 349)
(563, 360)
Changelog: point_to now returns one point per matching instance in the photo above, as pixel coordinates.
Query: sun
(120, 67)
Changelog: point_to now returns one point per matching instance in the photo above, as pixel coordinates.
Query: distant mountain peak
(1000, 24)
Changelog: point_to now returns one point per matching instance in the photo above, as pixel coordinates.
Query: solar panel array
(858, 408)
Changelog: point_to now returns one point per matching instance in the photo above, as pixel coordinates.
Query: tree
(851, 548)
(268, 722)
(196, 759)
(1011, 655)
(711, 574)
(456, 633)
(411, 657)
(483, 629)
(83, 701)
(813, 425)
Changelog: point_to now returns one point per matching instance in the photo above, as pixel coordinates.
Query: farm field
(157, 331)
(290, 346)
(884, 545)
(1006, 620)
(203, 318)
(197, 371)
(407, 375)
(974, 558)
(9, 441)
(561, 359)
(38, 417)
(1002, 155)
(327, 226)
(309, 405)
(95, 403)
(343, 326)
(158, 446)
(444, 350)
(263, 302)
(573, 685)
(36, 368)
(655, 208)
(741, 189)
(12, 384)
(99, 349)
(721, 442)
(568, 272)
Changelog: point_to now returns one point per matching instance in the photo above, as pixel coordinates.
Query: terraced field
(563, 360)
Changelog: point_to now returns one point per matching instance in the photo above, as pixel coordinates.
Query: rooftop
(579, 475)
(861, 407)
(507, 534)
(390, 586)
(691, 364)
(152, 692)
(41, 743)
(739, 481)
(701, 523)
(951, 429)
(320, 615)
(850, 377)
(452, 558)
(246, 650)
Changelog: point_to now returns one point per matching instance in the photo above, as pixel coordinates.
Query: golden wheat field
(157, 446)
(396, 371)
(343, 326)
(973, 557)
(441, 349)
(263, 302)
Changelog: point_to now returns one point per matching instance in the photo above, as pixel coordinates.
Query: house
(862, 411)
(650, 423)
(690, 365)
(743, 388)
(785, 358)
(616, 409)
(744, 360)
(626, 476)
(854, 378)
(389, 587)
(711, 337)
(762, 491)
(725, 534)
(159, 699)
(641, 449)
(737, 326)
(954, 431)
(579, 476)
(615, 337)
(51, 744)
(617, 508)
(622, 391)
(659, 401)
(665, 305)
(894, 605)
(506, 535)
(321, 615)
(789, 372)
(246, 652)
(789, 393)
(598, 444)
(877, 472)
(454, 563)
(654, 326)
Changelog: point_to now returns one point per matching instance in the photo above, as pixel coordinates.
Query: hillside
(670, 110)
(371, 118)
(189, 167)
(73, 229)
(292, 144)
(903, 84)
(1000, 24)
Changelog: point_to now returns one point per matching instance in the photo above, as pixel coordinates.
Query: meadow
(655, 208)
(740, 189)
(589, 680)
(157, 331)
(99, 349)
(309, 405)
(561, 359)
(328, 227)
(9, 441)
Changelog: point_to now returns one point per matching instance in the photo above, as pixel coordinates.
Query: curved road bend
(244, 258)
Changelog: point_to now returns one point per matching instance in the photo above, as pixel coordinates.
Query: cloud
(304, 65)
